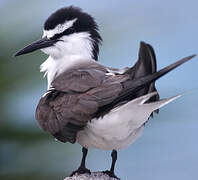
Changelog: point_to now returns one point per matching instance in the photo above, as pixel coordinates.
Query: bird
(87, 102)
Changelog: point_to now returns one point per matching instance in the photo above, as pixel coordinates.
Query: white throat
(70, 51)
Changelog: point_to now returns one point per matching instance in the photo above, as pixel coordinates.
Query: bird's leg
(83, 161)
(114, 158)
(82, 169)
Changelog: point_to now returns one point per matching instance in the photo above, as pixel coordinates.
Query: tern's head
(68, 31)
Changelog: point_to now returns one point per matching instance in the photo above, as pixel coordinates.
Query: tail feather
(141, 111)
(162, 102)
(145, 65)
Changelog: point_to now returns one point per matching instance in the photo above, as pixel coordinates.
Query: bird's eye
(66, 32)
(69, 31)
(56, 36)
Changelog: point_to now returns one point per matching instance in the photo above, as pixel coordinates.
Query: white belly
(120, 127)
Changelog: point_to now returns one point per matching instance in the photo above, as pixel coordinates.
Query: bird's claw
(111, 174)
(81, 170)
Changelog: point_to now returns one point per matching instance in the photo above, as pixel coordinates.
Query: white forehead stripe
(59, 28)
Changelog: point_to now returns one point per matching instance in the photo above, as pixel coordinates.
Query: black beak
(42, 43)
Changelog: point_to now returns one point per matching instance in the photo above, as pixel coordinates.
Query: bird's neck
(54, 67)
(70, 51)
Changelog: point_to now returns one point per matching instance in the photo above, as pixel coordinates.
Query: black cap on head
(84, 23)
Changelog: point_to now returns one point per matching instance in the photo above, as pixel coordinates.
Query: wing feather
(74, 100)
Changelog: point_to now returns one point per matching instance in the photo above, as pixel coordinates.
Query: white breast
(70, 50)
(122, 126)
(54, 67)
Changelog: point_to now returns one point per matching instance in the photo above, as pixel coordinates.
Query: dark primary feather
(145, 65)
(87, 92)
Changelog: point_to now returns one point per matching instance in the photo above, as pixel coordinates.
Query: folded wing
(75, 98)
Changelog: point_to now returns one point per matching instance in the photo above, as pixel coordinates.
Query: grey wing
(75, 99)
(63, 115)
